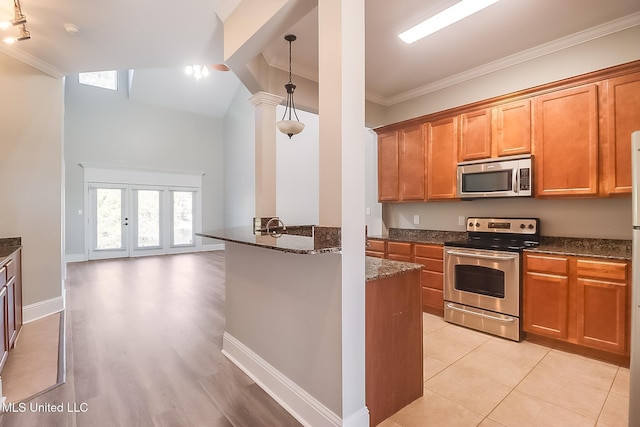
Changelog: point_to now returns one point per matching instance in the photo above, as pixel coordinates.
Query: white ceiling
(164, 36)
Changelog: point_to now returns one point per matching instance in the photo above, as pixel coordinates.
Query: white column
(342, 186)
(265, 147)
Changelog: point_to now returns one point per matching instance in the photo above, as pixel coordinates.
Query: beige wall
(31, 176)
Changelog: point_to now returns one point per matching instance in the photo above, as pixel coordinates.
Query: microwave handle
(514, 181)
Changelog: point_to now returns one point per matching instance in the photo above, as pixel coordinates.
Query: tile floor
(474, 379)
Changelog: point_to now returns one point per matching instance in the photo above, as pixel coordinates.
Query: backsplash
(591, 218)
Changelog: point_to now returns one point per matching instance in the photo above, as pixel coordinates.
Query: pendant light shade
(287, 125)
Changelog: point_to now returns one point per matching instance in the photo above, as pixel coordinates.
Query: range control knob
(470, 224)
(530, 226)
(521, 225)
(477, 224)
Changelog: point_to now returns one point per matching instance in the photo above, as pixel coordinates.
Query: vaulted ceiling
(161, 35)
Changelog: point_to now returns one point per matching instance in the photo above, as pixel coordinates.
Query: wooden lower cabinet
(431, 277)
(582, 301)
(400, 251)
(394, 359)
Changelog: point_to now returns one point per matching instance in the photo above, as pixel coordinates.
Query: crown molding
(31, 60)
(599, 31)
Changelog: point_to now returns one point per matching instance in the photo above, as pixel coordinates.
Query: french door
(136, 220)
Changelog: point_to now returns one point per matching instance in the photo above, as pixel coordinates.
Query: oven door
(488, 280)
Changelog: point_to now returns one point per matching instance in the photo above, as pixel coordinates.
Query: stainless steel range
(483, 274)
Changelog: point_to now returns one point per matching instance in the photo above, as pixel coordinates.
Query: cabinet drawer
(429, 251)
(375, 254)
(430, 279)
(376, 245)
(546, 264)
(396, 257)
(11, 268)
(602, 269)
(430, 263)
(399, 248)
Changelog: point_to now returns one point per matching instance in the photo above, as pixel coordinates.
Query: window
(182, 209)
(103, 79)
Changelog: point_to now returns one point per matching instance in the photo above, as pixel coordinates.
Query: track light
(19, 20)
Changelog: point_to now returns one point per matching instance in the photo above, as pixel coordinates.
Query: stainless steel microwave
(503, 177)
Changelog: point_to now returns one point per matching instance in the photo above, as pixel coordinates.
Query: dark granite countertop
(8, 246)
(291, 243)
(437, 237)
(378, 268)
(599, 248)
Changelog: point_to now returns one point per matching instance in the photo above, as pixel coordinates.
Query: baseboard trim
(204, 248)
(300, 404)
(42, 309)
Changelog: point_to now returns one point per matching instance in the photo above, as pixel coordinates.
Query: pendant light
(289, 126)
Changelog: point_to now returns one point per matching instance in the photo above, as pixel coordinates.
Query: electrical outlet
(368, 211)
(416, 219)
(461, 221)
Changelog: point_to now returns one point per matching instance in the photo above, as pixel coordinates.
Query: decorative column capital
(265, 98)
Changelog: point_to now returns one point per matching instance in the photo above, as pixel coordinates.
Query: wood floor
(143, 349)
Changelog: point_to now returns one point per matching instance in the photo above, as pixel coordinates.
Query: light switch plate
(416, 219)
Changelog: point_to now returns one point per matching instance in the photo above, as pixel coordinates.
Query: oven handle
(507, 320)
(492, 257)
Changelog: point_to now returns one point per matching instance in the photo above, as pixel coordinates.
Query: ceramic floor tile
(579, 368)
(487, 422)
(477, 393)
(522, 410)
(621, 382)
(522, 352)
(431, 367)
(493, 367)
(463, 335)
(567, 393)
(444, 349)
(388, 423)
(432, 323)
(615, 412)
(434, 410)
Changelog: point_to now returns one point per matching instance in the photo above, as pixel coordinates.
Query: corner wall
(32, 179)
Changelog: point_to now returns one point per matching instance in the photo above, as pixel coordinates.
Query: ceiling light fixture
(445, 18)
(19, 20)
(197, 71)
(290, 127)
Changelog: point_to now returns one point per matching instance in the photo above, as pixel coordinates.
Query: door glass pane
(148, 204)
(182, 218)
(109, 218)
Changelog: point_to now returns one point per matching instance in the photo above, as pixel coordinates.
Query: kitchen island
(284, 320)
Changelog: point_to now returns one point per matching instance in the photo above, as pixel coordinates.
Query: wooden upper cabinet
(475, 135)
(412, 147)
(442, 143)
(621, 110)
(512, 128)
(388, 167)
(566, 143)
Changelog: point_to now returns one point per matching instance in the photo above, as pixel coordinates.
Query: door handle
(491, 257)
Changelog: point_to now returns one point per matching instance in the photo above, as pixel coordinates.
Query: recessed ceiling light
(445, 18)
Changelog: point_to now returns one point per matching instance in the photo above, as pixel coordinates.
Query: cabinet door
(442, 142)
(412, 163)
(512, 128)
(566, 143)
(4, 339)
(546, 305)
(602, 312)
(388, 167)
(475, 135)
(622, 116)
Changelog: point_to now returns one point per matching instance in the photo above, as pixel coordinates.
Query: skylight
(103, 79)
(445, 18)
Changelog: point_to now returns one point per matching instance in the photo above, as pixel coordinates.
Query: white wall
(597, 218)
(31, 176)
(297, 169)
(106, 128)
